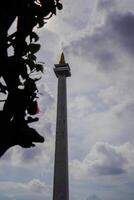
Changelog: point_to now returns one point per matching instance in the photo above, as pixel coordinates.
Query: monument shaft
(61, 191)
(61, 182)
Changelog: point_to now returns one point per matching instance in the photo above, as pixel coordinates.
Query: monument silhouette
(61, 179)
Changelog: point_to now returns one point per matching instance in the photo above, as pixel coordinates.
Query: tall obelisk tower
(61, 182)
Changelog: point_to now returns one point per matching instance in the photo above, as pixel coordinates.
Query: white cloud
(80, 106)
(34, 189)
(104, 160)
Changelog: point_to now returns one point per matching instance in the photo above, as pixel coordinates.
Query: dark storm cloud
(104, 159)
(30, 154)
(93, 197)
(107, 43)
(109, 170)
(4, 197)
(112, 161)
(123, 25)
(106, 4)
(127, 112)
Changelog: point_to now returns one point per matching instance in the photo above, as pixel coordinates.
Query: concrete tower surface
(61, 180)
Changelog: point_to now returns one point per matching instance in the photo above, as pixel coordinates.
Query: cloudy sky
(97, 38)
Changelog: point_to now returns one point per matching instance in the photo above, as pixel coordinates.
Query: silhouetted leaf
(41, 22)
(33, 108)
(31, 64)
(39, 67)
(59, 6)
(31, 57)
(34, 36)
(30, 85)
(37, 79)
(3, 88)
(34, 48)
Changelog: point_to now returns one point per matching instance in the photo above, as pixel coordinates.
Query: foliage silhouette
(16, 70)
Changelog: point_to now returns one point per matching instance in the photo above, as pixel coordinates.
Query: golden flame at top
(62, 59)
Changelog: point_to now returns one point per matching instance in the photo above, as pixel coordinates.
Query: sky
(97, 38)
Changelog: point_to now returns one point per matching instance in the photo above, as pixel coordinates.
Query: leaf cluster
(20, 69)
